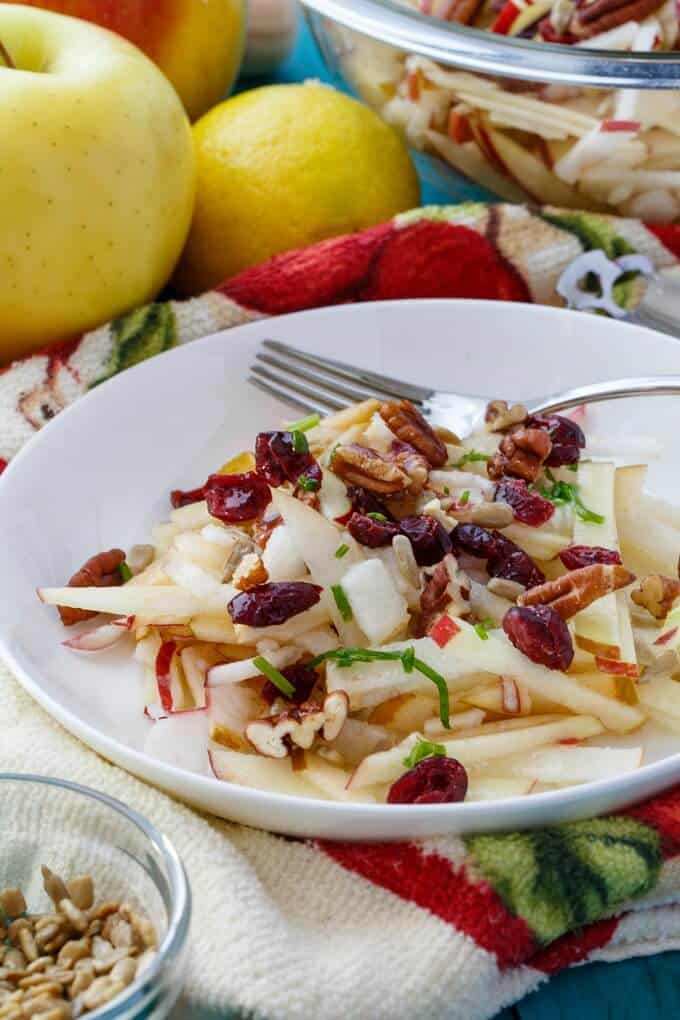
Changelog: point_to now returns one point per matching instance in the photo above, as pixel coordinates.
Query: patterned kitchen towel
(497, 252)
(445, 929)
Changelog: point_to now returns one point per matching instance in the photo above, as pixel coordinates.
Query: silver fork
(313, 383)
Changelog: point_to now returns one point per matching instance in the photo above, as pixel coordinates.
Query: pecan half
(602, 15)
(408, 425)
(359, 465)
(572, 592)
(100, 571)
(657, 594)
(499, 416)
(298, 727)
(521, 454)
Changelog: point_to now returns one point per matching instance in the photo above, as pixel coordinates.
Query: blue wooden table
(647, 988)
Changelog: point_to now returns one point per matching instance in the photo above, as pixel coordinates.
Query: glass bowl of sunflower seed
(94, 906)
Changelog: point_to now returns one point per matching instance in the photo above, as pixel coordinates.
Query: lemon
(283, 166)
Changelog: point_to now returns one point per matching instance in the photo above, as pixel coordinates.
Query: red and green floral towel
(444, 928)
(473, 250)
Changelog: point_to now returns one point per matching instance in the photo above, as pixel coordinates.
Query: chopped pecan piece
(413, 463)
(500, 416)
(435, 596)
(250, 572)
(602, 15)
(299, 726)
(521, 454)
(100, 571)
(408, 425)
(572, 592)
(359, 465)
(447, 587)
(657, 594)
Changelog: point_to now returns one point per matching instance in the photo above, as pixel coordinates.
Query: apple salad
(571, 147)
(367, 608)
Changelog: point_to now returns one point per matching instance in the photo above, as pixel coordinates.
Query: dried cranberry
(300, 676)
(509, 561)
(541, 633)
(278, 461)
(584, 555)
(503, 557)
(473, 539)
(566, 436)
(365, 502)
(267, 605)
(233, 498)
(429, 539)
(436, 780)
(179, 497)
(370, 532)
(528, 507)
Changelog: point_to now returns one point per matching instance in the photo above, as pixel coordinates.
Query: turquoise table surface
(646, 988)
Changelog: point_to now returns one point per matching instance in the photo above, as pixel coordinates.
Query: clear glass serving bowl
(75, 830)
(569, 126)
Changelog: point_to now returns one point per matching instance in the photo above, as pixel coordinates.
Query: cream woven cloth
(281, 931)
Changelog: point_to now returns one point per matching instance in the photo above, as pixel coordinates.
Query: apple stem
(5, 57)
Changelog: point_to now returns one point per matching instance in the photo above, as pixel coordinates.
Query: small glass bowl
(75, 830)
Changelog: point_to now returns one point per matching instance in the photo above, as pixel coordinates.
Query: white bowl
(100, 474)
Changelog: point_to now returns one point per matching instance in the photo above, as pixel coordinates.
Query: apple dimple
(5, 58)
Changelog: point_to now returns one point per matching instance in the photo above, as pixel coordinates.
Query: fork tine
(379, 384)
(297, 392)
(289, 369)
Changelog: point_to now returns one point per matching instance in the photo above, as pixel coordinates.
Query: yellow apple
(96, 178)
(198, 44)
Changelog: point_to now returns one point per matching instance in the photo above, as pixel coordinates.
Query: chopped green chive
(125, 572)
(307, 483)
(561, 493)
(272, 673)
(482, 628)
(572, 467)
(341, 602)
(341, 551)
(464, 498)
(586, 515)
(423, 749)
(440, 683)
(300, 444)
(472, 457)
(408, 659)
(375, 516)
(346, 657)
(447, 491)
(304, 424)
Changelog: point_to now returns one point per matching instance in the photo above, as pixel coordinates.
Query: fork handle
(615, 389)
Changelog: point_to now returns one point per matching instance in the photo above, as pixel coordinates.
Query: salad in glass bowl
(366, 608)
(555, 137)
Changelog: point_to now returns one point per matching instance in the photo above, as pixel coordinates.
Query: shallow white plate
(100, 474)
